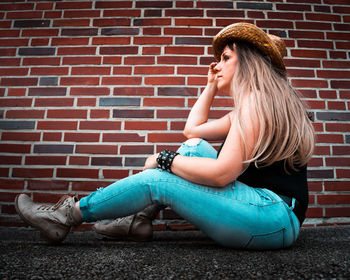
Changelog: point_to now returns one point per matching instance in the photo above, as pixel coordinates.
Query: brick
(225, 13)
(121, 80)
(69, 41)
(153, 13)
(177, 60)
(120, 31)
(119, 101)
(81, 60)
(177, 125)
(341, 150)
(48, 81)
(133, 113)
(334, 105)
(115, 174)
(86, 102)
(10, 160)
(293, 7)
(309, 83)
(167, 102)
(343, 173)
(15, 148)
(96, 149)
(340, 84)
(323, 17)
(20, 136)
(45, 160)
(51, 185)
(182, 31)
(338, 161)
(54, 102)
(333, 116)
(122, 13)
(77, 173)
(192, 70)
(136, 149)
(52, 136)
(197, 81)
(100, 125)
(12, 42)
(137, 125)
(47, 91)
(4, 172)
(313, 212)
(285, 15)
(11, 184)
(71, 22)
(76, 51)
(119, 50)
(39, 33)
(309, 53)
(10, 61)
(18, 81)
(306, 34)
(193, 22)
(172, 114)
(139, 60)
(154, 70)
(106, 161)
(31, 23)
(321, 174)
(73, 5)
(166, 138)
(81, 14)
(43, 71)
(313, 25)
(103, 114)
(32, 172)
(81, 137)
(147, 40)
(53, 148)
(90, 70)
(135, 161)
(57, 125)
(214, 4)
(122, 70)
(36, 51)
(164, 80)
(302, 63)
(322, 150)
(193, 41)
(152, 22)
(113, 4)
(337, 185)
(74, 160)
(338, 212)
(13, 125)
(67, 113)
(335, 64)
(154, 4)
(184, 13)
(80, 81)
(111, 41)
(41, 61)
(330, 138)
(122, 137)
(79, 32)
(176, 91)
(322, 44)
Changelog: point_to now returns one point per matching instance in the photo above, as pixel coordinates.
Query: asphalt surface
(319, 253)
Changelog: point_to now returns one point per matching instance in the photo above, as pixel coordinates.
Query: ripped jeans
(235, 216)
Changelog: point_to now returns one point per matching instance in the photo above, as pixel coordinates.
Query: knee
(193, 141)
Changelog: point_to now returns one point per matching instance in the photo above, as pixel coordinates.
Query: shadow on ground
(319, 253)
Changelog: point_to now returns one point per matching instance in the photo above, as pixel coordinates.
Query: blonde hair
(285, 130)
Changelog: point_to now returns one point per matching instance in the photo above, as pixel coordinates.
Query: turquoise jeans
(236, 215)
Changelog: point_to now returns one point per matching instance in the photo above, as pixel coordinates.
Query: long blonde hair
(285, 130)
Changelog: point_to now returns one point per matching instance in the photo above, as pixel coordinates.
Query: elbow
(188, 133)
(223, 180)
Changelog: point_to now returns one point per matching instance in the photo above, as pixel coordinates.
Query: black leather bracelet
(165, 160)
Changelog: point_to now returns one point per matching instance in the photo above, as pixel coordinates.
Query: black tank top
(275, 178)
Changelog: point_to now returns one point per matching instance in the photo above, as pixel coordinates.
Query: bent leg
(234, 216)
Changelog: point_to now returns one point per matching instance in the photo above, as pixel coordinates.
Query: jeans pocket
(273, 240)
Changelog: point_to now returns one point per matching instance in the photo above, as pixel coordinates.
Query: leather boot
(137, 227)
(53, 221)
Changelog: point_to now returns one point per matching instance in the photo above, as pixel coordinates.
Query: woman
(253, 193)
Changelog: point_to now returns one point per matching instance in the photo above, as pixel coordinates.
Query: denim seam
(265, 234)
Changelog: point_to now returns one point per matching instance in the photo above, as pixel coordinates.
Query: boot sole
(43, 234)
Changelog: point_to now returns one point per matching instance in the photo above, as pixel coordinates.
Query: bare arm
(229, 165)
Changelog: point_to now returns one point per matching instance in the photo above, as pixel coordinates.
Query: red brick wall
(89, 89)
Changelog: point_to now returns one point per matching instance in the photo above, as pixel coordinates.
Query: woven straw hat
(270, 45)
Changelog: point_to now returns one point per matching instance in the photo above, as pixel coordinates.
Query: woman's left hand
(151, 162)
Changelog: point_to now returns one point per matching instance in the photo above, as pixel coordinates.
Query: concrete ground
(319, 253)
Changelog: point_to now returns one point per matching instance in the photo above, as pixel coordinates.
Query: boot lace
(56, 206)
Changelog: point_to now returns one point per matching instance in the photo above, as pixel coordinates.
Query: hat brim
(252, 34)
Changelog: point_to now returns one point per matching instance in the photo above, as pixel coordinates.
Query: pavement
(319, 253)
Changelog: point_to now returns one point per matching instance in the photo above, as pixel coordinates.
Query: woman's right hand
(212, 73)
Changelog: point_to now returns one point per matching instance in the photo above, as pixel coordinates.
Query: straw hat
(270, 45)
